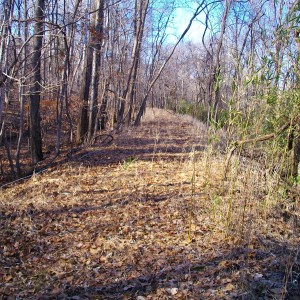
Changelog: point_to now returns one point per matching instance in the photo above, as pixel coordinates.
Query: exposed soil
(149, 216)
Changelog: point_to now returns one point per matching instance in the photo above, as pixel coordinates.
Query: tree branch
(255, 140)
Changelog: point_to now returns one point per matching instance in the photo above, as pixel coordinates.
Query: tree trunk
(82, 126)
(215, 88)
(141, 8)
(91, 75)
(63, 93)
(4, 41)
(296, 154)
(103, 106)
(22, 96)
(96, 40)
(35, 90)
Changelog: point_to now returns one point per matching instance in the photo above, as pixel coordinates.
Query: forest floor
(150, 216)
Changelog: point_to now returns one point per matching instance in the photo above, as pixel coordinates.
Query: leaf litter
(148, 217)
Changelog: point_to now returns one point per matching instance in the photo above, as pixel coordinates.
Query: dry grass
(114, 223)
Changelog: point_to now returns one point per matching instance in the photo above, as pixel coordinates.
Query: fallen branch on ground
(255, 140)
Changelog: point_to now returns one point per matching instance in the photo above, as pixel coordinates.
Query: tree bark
(35, 90)
(97, 38)
(217, 67)
(91, 76)
(82, 126)
(129, 93)
(4, 23)
(296, 142)
(22, 96)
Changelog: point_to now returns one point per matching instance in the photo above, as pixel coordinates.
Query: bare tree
(216, 67)
(22, 91)
(296, 141)
(142, 107)
(90, 82)
(36, 85)
(97, 39)
(129, 93)
(82, 125)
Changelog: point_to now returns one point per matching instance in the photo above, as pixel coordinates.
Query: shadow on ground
(269, 269)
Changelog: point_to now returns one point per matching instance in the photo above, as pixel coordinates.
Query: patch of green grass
(128, 162)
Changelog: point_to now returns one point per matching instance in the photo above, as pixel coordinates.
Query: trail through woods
(149, 217)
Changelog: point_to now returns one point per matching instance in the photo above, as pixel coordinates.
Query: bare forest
(140, 161)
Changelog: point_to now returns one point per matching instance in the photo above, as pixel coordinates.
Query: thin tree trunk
(82, 126)
(103, 106)
(22, 97)
(21, 129)
(142, 12)
(296, 142)
(62, 96)
(217, 67)
(141, 8)
(6, 6)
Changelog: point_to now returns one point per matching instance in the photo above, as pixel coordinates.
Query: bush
(196, 110)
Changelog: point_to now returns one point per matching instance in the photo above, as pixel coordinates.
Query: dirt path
(163, 135)
(143, 218)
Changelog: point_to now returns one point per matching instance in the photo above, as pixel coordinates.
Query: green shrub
(196, 110)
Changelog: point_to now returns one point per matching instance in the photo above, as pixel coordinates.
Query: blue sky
(182, 17)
